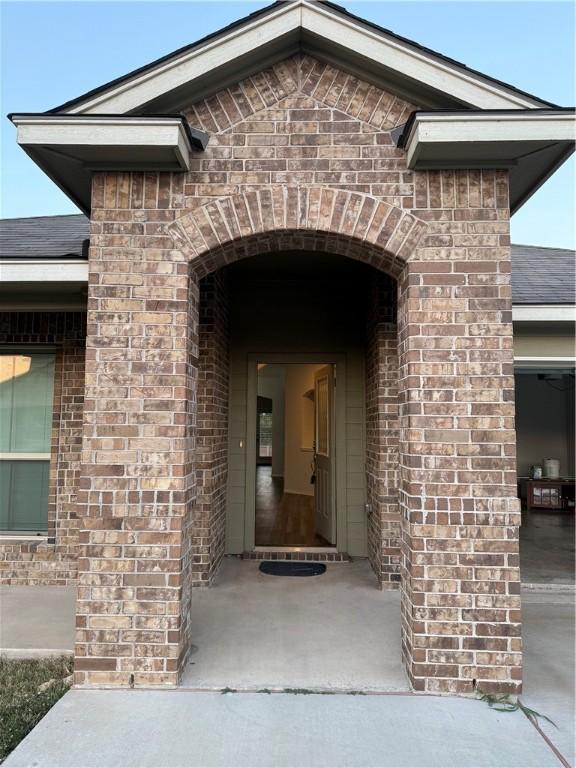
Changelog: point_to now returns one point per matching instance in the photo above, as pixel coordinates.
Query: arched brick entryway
(309, 219)
(456, 481)
(315, 218)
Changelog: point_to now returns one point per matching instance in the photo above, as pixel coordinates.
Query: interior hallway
(335, 631)
(283, 519)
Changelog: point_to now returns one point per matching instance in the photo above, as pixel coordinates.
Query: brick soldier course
(302, 156)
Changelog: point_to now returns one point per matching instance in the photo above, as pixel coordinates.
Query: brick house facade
(302, 156)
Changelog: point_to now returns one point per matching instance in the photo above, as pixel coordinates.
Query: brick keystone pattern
(310, 218)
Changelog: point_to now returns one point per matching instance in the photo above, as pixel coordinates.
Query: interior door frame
(339, 443)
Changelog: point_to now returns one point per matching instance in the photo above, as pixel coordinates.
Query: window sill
(14, 538)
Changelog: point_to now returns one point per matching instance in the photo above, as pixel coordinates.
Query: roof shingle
(44, 237)
(543, 275)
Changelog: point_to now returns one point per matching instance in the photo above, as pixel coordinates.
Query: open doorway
(295, 456)
(545, 457)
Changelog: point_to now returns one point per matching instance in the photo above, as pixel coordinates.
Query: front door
(324, 453)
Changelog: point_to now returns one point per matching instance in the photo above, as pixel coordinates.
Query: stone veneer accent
(52, 561)
(301, 157)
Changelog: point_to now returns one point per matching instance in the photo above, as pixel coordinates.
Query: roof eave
(530, 143)
(351, 36)
(70, 148)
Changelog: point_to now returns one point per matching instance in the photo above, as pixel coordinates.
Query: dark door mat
(285, 568)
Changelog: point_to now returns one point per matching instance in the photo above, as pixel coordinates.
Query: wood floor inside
(283, 519)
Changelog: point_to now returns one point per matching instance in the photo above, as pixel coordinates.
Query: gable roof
(320, 28)
(543, 275)
(135, 121)
(539, 275)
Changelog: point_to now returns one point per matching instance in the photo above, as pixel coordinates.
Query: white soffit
(530, 143)
(494, 135)
(103, 142)
(293, 26)
(528, 364)
(43, 284)
(536, 313)
(43, 271)
(70, 148)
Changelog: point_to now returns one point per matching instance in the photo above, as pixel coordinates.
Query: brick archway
(312, 218)
(316, 218)
(454, 476)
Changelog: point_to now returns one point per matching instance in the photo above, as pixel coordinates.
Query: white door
(324, 507)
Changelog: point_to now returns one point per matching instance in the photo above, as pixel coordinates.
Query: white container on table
(551, 469)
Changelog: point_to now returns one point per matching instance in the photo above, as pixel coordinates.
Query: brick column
(138, 484)
(460, 514)
(382, 432)
(209, 519)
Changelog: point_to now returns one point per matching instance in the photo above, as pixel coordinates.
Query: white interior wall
(544, 426)
(298, 453)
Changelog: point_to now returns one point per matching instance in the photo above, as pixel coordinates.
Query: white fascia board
(172, 74)
(411, 62)
(538, 363)
(422, 67)
(536, 313)
(429, 129)
(43, 271)
(154, 132)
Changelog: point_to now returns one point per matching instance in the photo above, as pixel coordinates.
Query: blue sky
(54, 51)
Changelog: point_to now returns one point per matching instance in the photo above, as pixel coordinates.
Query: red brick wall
(53, 561)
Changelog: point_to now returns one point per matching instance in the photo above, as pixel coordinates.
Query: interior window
(265, 432)
(26, 408)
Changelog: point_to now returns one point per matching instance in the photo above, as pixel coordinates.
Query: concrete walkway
(36, 621)
(254, 631)
(184, 728)
(549, 674)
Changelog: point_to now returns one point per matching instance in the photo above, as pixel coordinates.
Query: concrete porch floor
(547, 547)
(254, 645)
(335, 631)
